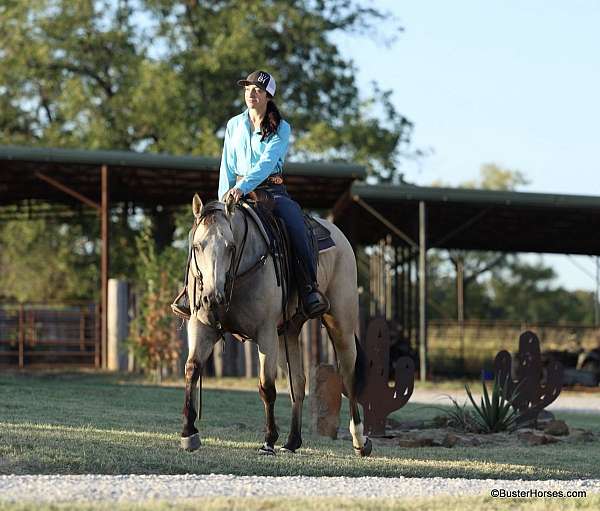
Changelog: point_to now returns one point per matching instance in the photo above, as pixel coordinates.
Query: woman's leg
(313, 301)
(181, 304)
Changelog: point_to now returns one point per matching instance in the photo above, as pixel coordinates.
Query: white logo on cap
(262, 77)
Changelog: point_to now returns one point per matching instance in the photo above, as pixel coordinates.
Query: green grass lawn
(79, 423)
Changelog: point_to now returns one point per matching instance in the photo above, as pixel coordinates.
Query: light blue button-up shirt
(245, 155)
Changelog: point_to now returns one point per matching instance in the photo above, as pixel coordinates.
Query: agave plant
(495, 413)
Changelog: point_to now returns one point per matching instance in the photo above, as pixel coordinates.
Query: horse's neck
(255, 245)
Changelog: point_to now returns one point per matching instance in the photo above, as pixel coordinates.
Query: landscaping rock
(416, 442)
(543, 418)
(450, 440)
(535, 438)
(469, 440)
(325, 400)
(393, 424)
(578, 435)
(441, 421)
(556, 428)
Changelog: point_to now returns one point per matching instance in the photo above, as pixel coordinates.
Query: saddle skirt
(318, 232)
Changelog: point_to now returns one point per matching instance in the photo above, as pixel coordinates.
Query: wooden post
(422, 292)
(104, 264)
(460, 306)
(21, 337)
(81, 328)
(97, 360)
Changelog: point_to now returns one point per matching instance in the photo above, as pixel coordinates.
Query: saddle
(276, 236)
(275, 232)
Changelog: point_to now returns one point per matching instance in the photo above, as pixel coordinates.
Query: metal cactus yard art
(536, 386)
(377, 397)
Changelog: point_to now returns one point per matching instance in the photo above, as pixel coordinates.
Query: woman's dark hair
(271, 120)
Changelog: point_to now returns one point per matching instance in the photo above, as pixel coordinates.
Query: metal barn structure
(398, 223)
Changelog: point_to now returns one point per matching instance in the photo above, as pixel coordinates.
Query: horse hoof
(190, 443)
(286, 450)
(365, 450)
(266, 450)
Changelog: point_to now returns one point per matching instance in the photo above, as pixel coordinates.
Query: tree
(160, 75)
(470, 265)
(43, 260)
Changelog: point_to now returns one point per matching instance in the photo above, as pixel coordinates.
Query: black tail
(360, 368)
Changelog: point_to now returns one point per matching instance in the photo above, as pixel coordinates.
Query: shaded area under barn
(407, 219)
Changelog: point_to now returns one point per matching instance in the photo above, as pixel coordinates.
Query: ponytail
(271, 120)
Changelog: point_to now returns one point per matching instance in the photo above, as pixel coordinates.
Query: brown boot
(180, 305)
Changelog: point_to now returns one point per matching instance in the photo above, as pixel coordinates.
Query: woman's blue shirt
(245, 155)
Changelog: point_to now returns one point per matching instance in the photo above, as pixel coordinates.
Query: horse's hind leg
(342, 335)
(297, 387)
(267, 355)
(201, 340)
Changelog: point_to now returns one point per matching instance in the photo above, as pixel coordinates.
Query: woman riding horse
(256, 143)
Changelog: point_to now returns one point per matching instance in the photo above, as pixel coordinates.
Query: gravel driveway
(55, 488)
(566, 401)
(161, 487)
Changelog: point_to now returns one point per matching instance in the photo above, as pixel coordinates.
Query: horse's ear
(196, 205)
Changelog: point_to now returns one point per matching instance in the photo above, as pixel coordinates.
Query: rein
(232, 275)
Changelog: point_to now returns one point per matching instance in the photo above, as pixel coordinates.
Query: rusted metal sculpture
(377, 397)
(536, 386)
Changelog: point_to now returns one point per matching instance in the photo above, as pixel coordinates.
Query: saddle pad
(321, 233)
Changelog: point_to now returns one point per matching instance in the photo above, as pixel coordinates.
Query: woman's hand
(235, 194)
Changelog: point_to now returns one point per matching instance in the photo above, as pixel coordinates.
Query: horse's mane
(207, 214)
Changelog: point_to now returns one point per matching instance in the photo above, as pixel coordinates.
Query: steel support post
(104, 264)
(422, 292)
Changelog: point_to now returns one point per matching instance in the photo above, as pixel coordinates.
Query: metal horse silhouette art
(233, 275)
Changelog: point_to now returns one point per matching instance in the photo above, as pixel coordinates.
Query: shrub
(496, 413)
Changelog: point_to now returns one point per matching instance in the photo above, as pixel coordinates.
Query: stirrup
(318, 308)
(181, 311)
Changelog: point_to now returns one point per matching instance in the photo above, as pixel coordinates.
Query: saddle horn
(229, 205)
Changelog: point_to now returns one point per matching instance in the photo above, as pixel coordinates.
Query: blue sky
(516, 83)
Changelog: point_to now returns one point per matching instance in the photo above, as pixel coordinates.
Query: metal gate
(43, 336)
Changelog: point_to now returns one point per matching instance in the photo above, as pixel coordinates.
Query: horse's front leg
(267, 354)
(297, 387)
(201, 340)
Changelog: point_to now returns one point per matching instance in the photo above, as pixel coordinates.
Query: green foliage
(160, 75)
(496, 413)
(48, 260)
(153, 332)
(459, 417)
(494, 177)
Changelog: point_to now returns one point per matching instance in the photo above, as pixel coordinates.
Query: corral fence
(48, 335)
(467, 349)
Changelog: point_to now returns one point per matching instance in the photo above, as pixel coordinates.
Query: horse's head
(213, 251)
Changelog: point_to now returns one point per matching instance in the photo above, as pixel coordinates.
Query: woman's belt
(273, 179)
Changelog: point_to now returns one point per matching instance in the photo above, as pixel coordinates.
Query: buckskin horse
(233, 286)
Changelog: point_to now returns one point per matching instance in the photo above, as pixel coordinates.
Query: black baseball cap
(261, 79)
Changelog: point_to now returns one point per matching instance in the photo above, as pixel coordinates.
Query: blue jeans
(290, 212)
(287, 209)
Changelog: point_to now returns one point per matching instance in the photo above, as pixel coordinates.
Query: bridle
(216, 316)
(231, 277)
